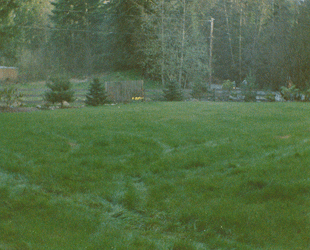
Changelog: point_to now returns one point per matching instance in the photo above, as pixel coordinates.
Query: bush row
(60, 92)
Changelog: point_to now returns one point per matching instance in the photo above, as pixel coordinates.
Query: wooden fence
(124, 91)
(118, 92)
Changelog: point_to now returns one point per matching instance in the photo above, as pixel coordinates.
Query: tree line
(190, 42)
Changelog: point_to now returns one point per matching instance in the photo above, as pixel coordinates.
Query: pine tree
(126, 29)
(60, 90)
(73, 37)
(173, 92)
(8, 31)
(300, 49)
(97, 94)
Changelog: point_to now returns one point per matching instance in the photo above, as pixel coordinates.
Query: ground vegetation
(164, 175)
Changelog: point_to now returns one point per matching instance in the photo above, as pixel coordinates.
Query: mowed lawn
(185, 175)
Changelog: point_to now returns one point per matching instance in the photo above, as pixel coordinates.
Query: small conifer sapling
(173, 92)
(97, 94)
(59, 91)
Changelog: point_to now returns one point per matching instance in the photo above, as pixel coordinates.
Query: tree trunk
(229, 36)
(240, 47)
(162, 44)
(182, 45)
(211, 48)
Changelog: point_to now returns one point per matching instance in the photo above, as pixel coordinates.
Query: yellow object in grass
(137, 98)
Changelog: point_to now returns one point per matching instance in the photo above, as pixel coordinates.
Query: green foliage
(10, 95)
(59, 90)
(299, 47)
(70, 46)
(172, 46)
(302, 94)
(249, 95)
(173, 91)
(8, 31)
(160, 38)
(248, 88)
(307, 95)
(290, 93)
(251, 80)
(228, 85)
(125, 23)
(270, 97)
(97, 94)
(199, 90)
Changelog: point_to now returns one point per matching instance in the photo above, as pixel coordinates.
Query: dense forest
(188, 41)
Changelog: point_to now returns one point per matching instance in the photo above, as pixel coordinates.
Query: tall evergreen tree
(74, 21)
(267, 58)
(299, 57)
(8, 31)
(125, 22)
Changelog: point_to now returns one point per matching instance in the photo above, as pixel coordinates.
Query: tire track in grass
(284, 152)
(167, 149)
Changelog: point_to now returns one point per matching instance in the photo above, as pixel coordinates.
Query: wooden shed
(8, 73)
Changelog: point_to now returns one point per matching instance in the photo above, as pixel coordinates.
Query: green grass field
(186, 175)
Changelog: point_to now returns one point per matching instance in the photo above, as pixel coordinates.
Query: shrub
(248, 88)
(97, 94)
(291, 93)
(250, 95)
(307, 95)
(199, 90)
(228, 85)
(60, 90)
(10, 95)
(271, 97)
(173, 92)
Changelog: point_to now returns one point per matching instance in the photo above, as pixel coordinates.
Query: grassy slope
(156, 176)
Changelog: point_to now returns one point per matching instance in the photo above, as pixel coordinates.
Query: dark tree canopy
(8, 31)
(164, 40)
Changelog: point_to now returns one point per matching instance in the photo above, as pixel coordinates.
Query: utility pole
(211, 48)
